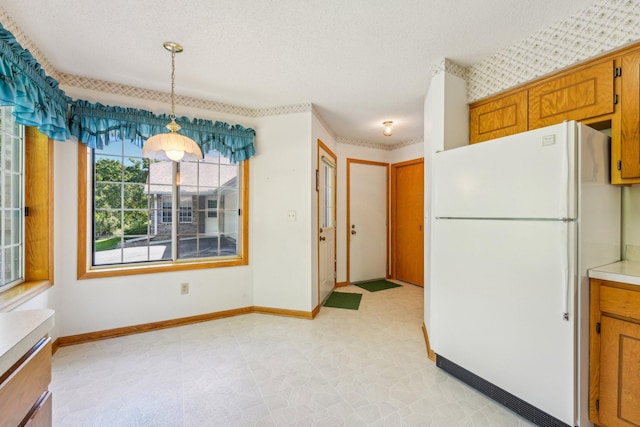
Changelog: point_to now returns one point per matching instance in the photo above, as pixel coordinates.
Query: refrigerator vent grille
(517, 405)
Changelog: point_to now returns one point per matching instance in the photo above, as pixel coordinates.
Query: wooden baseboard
(284, 312)
(154, 326)
(341, 284)
(430, 353)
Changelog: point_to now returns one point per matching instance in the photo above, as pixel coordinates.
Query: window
(132, 205)
(26, 265)
(186, 208)
(212, 208)
(167, 210)
(11, 200)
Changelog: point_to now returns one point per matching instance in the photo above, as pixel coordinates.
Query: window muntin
(11, 200)
(141, 222)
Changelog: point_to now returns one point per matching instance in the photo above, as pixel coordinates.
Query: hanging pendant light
(172, 145)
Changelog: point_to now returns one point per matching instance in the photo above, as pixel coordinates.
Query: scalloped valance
(94, 124)
(34, 96)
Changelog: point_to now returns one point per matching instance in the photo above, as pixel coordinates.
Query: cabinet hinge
(617, 72)
(26, 211)
(619, 165)
(597, 404)
(615, 99)
(239, 212)
(598, 327)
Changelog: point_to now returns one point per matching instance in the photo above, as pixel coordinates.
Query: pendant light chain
(173, 83)
(172, 145)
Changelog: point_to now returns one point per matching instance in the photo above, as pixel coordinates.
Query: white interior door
(326, 223)
(211, 215)
(367, 234)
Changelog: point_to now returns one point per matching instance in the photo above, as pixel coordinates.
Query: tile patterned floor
(345, 368)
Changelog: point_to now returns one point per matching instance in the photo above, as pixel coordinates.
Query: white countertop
(21, 330)
(621, 271)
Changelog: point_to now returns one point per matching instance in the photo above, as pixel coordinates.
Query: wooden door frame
(322, 146)
(348, 224)
(394, 210)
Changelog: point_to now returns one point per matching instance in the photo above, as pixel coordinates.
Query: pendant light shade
(172, 145)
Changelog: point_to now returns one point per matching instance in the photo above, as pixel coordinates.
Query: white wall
(318, 132)
(282, 270)
(281, 177)
(631, 222)
(446, 126)
(408, 152)
(279, 273)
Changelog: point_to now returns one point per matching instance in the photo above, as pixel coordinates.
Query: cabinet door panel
(630, 116)
(619, 373)
(20, 391)
(574, 96)
(500, 117)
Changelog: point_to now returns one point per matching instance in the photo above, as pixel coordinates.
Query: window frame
(38, 225)
(87, 271)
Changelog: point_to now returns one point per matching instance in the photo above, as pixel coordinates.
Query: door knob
(353, 231)
(322, 238)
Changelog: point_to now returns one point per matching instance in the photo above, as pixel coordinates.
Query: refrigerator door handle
(567, 275)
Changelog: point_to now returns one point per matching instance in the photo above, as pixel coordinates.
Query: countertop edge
(34, 324)
(621, 271)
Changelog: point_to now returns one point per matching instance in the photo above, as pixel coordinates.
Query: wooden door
(367, 232)
(619, 373)
(408, 221)
(326, 222)
(498, 117)
(576, 95)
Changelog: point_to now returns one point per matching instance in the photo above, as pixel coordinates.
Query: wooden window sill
(19, 294)
(98, 272)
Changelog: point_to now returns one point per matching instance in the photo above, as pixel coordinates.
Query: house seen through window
(148, 211)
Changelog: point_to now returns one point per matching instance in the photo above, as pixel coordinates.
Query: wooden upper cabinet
(575, 95)
(499, 117)
(629, 165)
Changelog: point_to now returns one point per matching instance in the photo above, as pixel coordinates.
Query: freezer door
(529, 175)
(499, 291)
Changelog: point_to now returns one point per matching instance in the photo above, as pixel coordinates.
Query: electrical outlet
(291, 216)
(184, 288)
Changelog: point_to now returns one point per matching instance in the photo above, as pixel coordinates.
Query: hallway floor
(345, 368)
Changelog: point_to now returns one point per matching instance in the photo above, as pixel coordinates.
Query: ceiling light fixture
(172, 145)
(388, 128)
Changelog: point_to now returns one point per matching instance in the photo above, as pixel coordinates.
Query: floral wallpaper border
(604, 26)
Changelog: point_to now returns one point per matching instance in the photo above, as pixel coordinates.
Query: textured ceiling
(360, 62)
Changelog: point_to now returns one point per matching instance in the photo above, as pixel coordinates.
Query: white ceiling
(360, 62)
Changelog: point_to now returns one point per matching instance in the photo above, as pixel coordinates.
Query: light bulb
(387, 128)
(175, 155)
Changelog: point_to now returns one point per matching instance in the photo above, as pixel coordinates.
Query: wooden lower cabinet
(615, 354)
(24, 395)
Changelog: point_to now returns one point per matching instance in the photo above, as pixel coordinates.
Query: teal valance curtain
(94, 124)
(35, 97)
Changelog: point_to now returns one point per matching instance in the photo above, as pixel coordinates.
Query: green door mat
(377, 285)
(343, 300)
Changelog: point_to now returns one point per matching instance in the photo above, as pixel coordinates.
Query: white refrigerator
(517, 221)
